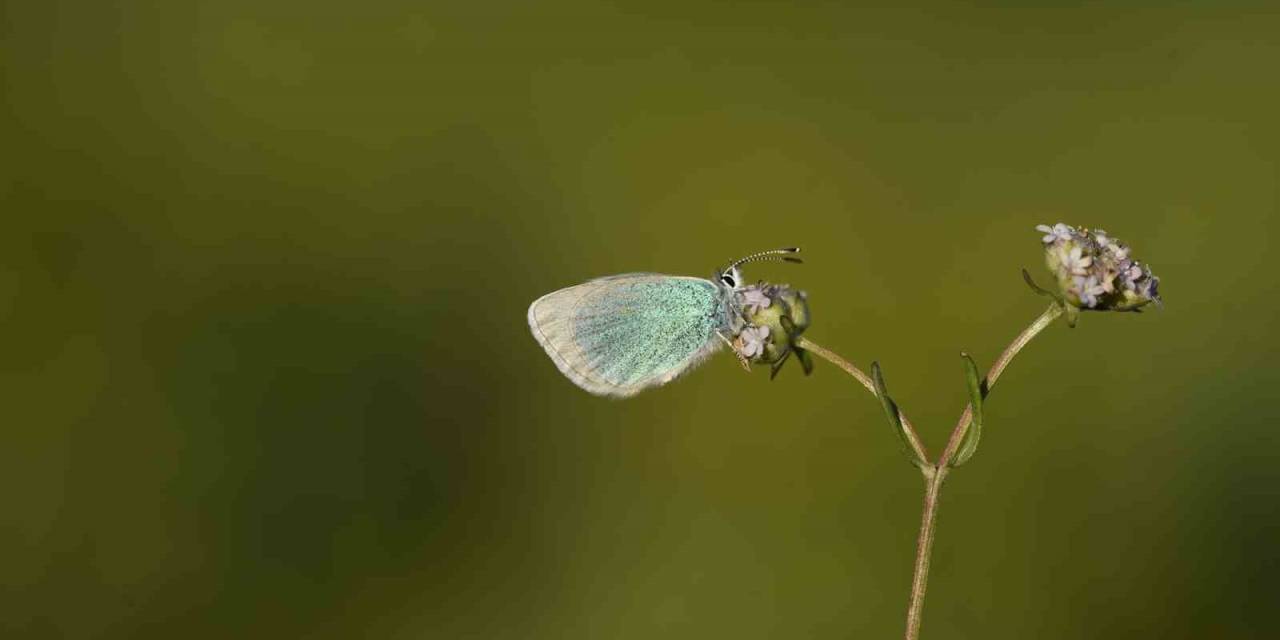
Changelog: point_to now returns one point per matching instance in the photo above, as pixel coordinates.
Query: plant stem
(924, 549)
(929, 515)
(936, 473)
(962, 425)
(830, 356)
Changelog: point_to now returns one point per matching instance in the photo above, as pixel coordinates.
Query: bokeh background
(265, 371)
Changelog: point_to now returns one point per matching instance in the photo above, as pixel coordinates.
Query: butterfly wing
(619, 335)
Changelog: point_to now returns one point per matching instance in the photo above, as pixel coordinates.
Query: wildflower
(1130, 274)
(1055, 234)
(1119, 252)
(1095, 272)
(1087, 290)
(754, 299)
(1074, 260)
(752, 340)
(773, 317)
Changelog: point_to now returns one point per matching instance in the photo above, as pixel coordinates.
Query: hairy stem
(924, 550)
(929, 514)
(830, 356)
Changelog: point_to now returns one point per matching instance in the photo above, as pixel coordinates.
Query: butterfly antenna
(773, 255)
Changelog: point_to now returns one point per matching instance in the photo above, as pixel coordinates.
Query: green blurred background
(265, 371)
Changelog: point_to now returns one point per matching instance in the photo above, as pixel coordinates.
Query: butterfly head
(731, 276)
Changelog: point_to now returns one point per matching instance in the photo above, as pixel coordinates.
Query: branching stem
(962, 425)
(936, 472)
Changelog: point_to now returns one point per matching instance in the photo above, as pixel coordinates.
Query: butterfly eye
(728, 280)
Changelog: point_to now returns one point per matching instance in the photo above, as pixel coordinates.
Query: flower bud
(1095, 272)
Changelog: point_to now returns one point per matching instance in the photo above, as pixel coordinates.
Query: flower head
(773, 317)
(1094, 270)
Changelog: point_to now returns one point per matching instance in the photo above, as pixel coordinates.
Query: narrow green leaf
(787, 325)
(971, 437)
(1037, 288)
(773, 370)
(1071, 312)
(891, 412)
(806, 360)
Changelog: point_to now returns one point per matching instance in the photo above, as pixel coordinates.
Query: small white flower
(1107, 280)
(754, 299)
(1058, 233)
(1131, 276)
(753, 340)
(1074, 261)
(1088, 290)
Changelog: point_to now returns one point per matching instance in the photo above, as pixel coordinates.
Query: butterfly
(619, 335)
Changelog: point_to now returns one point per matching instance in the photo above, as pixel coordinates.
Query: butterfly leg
(746, 364)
